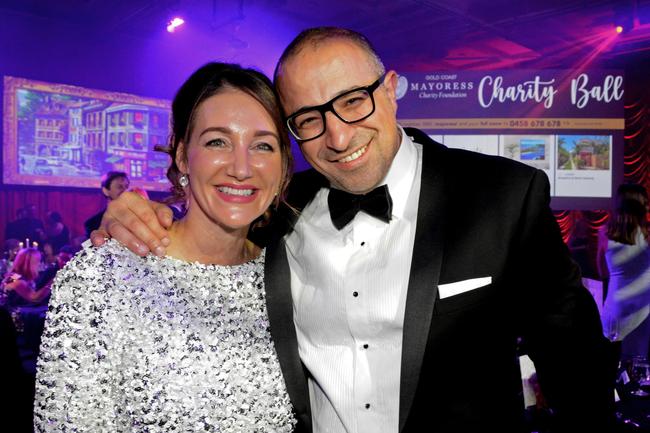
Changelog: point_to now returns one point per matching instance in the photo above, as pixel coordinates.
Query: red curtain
(636, 159)
(74, 206)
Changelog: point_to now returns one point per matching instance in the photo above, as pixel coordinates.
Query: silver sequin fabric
(155, 344)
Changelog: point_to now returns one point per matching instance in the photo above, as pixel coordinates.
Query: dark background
(122, 46)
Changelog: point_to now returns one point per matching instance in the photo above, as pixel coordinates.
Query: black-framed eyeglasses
(352, 106)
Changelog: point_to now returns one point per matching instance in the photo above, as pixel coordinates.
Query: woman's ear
(181, 159)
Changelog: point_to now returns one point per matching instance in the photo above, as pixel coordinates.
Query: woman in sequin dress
(180, 343)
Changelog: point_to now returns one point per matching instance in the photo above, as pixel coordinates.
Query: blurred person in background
(16, 389)
(25, 305)
(114, 183)
(624, 264)
(49, 257)
(20, 282)
(57, 233)
(582, 246)
(47, 274)
(26, 226)
(9, 251)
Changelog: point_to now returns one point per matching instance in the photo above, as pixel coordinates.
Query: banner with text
(567, 123)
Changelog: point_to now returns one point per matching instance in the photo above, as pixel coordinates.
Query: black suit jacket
(478, 216)
(94, 222)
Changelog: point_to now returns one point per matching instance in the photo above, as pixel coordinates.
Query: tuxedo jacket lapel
(422, 289)
(425, 269)
(283, 331)
(277, 277)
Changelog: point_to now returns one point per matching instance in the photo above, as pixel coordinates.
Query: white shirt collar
(400, 179)
(401, 174)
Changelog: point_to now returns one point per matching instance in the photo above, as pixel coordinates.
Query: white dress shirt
(349, 293)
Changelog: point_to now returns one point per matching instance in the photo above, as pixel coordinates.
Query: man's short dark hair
(109, 177)
(319, 35)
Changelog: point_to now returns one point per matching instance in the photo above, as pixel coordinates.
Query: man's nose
(337, 133)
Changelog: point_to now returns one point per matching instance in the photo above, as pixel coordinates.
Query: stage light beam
(174, 24)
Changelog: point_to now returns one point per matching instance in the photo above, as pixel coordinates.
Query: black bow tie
(344, 206)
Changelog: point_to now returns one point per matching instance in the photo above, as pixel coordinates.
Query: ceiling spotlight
(174, 24)
(619, 29)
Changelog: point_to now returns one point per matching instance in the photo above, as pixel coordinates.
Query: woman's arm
(74, 379)
(24, 290)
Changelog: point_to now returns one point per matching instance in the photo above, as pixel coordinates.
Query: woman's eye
(217, 142)
(264, 146)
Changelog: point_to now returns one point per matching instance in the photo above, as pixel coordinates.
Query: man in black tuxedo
(398, 292)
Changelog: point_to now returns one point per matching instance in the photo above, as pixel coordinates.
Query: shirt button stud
(365, 346)
(367, 405)
(355, 294)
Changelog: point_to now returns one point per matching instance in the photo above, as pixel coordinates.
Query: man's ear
(106, 192)
(390, 84)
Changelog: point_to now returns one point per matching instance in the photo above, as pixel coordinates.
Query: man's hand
(140, 225)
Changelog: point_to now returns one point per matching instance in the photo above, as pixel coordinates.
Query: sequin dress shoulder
(153, 344)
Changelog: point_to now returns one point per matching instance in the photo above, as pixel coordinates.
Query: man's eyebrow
(336, 95)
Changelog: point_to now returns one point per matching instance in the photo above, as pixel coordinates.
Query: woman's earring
(184, 180)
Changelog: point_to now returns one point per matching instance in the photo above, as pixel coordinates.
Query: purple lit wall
(122, 46)
(45, 50)
(82, 55)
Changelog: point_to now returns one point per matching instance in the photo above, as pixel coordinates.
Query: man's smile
(354, 155)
